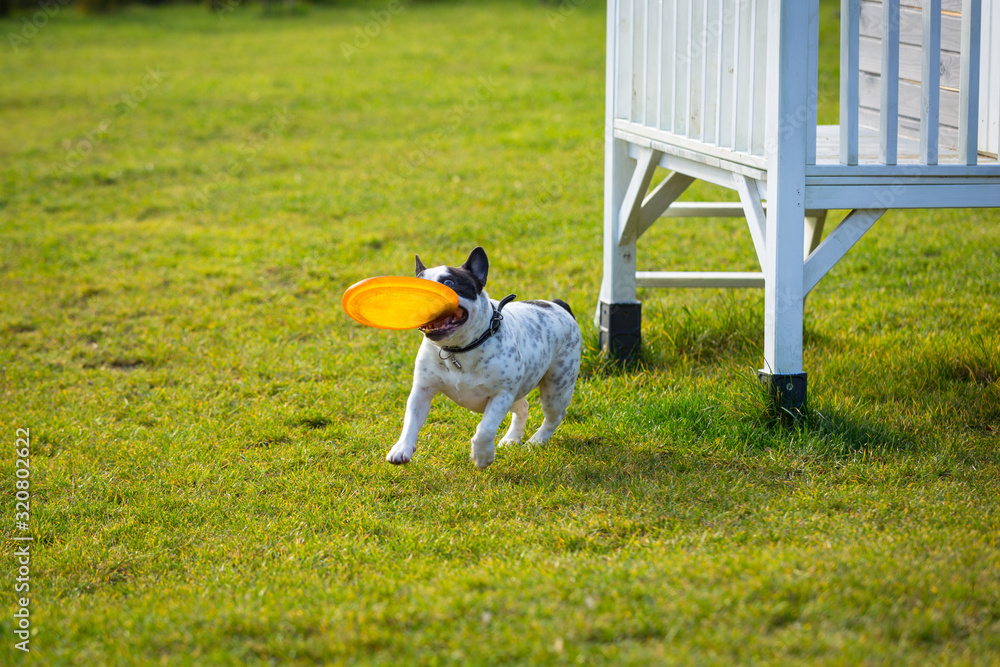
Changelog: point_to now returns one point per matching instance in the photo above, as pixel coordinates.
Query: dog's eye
(449, 283)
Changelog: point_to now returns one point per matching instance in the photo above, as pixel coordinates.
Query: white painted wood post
(889, 81)
(618, 310)
(968, 114)
(787, 114)
(850, 54)
(930, 82)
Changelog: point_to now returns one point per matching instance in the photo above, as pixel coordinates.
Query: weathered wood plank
(637, 39)
(667, 72)
(682, 69)
(758, 113)
(911, 24)
(652, 63)
(622, 74)
(910, 62)
(870, 91)
(813, 86)
(909, 129)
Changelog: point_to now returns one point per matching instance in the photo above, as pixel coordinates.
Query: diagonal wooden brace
(754, 210)
(659, 200)
(628, 215)
(836, 245)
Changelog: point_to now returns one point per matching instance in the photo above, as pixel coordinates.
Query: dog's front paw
(399, 454)
(483, 454)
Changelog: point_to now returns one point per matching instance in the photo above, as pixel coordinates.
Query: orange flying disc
(397, 302)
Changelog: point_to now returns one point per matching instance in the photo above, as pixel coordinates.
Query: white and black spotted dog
(487, 356)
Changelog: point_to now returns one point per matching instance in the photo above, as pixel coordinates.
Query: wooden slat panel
(989, 137)
(652, 63)
(987, 68)
(744, 95)
(667, 82)
(909, 101)
(683, 81)
(727, 74)
(713, 69)
(695, 67)
(909, 128)
(911, 26)
(637, 96)
(738, 74)
(812, 94)
(720, 67)
(758, 126)
(946, 5)
(706, 55)
(623, 60)
(910, 62)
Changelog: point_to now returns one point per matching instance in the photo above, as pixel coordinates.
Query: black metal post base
(621, 330)
(788, 391)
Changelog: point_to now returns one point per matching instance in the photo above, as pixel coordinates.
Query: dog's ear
(420, 265)
(478, 265)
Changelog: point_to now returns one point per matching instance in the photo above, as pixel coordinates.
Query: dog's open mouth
(444, 326)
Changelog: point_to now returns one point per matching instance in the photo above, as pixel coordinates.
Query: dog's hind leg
(554, 411)
(555, 393)
(518, 420)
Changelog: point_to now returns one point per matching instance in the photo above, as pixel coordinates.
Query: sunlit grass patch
(208, 429)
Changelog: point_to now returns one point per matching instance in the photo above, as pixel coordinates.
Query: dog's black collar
(492, 329)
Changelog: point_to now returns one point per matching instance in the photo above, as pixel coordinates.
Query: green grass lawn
(184, 197)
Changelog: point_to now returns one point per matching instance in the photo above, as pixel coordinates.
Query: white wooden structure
(725, 91)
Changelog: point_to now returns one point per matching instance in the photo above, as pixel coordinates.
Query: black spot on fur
(551, 304)
(565, 306)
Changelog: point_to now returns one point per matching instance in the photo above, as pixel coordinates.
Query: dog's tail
(564, 306)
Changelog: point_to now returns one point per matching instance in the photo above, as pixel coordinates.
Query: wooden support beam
(837, 243)
(787, 97)
(697, 279)
(661, 198)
